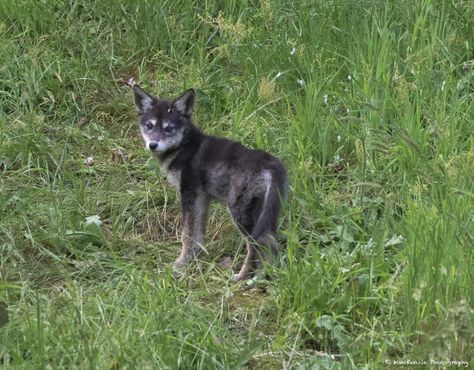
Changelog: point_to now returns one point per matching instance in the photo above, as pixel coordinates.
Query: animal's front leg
(194, 217)
(187, 254)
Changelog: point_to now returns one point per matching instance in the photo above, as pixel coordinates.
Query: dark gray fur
(251, 183)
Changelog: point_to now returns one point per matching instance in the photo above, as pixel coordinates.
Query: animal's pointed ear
(143, 100)
(185, 103)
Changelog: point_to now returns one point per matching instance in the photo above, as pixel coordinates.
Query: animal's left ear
(185, 103)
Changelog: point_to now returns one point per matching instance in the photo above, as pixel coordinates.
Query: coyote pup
(251, 183)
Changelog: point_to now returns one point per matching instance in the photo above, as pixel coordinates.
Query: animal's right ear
(143, 100)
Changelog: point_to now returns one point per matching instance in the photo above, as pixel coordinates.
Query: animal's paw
(239, 277)
(178, 268)
(177, 274)
(180, 264)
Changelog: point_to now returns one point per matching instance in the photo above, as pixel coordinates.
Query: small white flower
(301, 82)
(325, 99)
(93, 220)
(293, 51)
(89, 161)
(337, 157)
(417, 294)
(338, 138)
(349, 78)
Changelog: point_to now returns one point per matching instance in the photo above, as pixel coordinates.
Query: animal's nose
(153, 145)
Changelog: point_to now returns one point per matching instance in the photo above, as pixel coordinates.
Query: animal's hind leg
(264, 249)
(250, 263)
(268, 247)
(245, 216)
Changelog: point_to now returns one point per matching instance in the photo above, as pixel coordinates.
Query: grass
(368, 103)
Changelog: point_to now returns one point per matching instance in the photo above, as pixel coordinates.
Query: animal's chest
(172, 175)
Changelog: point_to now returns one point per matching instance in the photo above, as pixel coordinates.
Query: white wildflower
(93, 220)
(443, 270)
(89, 161)
(417, 295)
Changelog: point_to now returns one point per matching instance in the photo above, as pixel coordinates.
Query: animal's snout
(152, 145)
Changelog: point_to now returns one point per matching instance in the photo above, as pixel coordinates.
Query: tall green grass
(368, 103)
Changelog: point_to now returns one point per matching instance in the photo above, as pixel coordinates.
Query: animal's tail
(268, 218)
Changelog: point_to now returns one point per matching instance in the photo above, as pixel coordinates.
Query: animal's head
(163, 123)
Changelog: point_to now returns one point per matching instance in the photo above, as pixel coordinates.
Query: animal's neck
(188, 146)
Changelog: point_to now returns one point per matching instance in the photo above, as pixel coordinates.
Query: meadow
(368, 103)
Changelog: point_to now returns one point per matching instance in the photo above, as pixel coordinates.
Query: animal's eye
(149, 126)
(168, 129)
